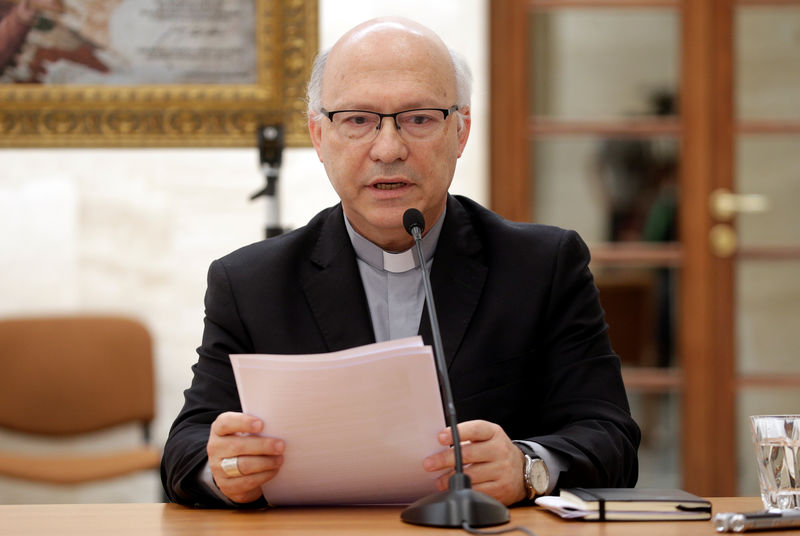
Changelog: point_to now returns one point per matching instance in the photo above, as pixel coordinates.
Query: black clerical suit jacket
(524, 337)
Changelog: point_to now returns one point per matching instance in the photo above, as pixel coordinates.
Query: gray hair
(462, 73)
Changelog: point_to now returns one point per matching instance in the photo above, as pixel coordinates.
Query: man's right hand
(259, 458)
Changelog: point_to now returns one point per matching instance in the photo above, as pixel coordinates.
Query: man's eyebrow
(370, 108)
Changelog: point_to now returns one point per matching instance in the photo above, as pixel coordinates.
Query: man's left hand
(492, 461)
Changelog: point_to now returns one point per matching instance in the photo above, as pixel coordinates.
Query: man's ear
(463, 129)
(315, 130)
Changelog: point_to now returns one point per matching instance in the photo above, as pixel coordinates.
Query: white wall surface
(132, 231)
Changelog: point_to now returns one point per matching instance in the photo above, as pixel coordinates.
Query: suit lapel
(457, 277)
(334, 289)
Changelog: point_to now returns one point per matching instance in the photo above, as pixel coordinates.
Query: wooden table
(170, 519)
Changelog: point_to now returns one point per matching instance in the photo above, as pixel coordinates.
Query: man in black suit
(537, 386)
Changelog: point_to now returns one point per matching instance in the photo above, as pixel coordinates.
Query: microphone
(460, 505)
(414, 223)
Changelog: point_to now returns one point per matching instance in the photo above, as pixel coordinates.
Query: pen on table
(763, 520)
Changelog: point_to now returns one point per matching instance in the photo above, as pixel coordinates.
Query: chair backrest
(67, 375)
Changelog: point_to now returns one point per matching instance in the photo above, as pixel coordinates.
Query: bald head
(390, 27)
(396, 39)
(388, 42)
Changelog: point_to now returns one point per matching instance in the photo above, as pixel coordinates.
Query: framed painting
(153, 73)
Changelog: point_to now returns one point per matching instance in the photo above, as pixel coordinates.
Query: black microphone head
(413, 218)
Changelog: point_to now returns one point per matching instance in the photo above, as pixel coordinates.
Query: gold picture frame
(206, 115)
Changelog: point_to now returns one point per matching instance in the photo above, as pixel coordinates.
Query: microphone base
(454, 507)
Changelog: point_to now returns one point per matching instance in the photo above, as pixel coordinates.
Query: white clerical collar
(394, 262)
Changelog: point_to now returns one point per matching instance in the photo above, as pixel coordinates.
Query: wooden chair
(627, 297)
(72, 375)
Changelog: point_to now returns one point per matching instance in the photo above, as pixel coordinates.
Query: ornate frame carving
(215, 115)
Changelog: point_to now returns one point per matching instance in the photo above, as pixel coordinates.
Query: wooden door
(763, 217)
(669, 288)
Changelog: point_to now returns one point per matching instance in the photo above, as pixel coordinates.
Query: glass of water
(777, 443)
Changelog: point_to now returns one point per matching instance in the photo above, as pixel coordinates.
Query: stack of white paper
(357, 423)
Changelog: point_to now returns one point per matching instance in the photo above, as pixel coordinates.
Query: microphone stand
(270, 194)
(460, 504)
(270, 148)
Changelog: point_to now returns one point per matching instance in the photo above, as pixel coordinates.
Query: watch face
(540, 478)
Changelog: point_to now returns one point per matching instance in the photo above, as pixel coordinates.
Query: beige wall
(133, 231)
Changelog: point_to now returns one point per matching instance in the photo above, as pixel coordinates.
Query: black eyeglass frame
(445, 113)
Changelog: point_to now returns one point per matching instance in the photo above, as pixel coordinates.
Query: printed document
(357, 423)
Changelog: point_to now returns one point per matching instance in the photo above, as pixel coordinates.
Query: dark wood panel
(697, 348)
(768, 126)
(652, 379)
(768, 253)
(637, 254)
(561, 4)
(767, 3)
(768, 381)
(635, 128)
(509, 187)
(647, 127)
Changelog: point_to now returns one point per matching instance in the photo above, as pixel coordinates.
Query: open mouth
(389, 185)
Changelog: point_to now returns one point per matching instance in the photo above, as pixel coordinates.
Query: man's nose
(389, 145)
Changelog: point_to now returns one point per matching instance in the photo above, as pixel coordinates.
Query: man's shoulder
(493, 227)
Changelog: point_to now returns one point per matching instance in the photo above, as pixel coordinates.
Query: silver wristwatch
(535, 476)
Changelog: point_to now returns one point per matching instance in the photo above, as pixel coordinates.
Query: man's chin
(386, 229)
(388, 218)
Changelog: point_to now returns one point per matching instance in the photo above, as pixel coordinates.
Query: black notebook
(627, 504)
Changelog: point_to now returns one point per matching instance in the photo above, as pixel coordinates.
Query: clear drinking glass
(777, 446)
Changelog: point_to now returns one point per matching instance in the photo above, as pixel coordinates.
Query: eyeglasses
(362, 126)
